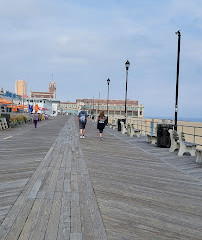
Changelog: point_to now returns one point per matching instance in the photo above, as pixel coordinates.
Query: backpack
(82, 117)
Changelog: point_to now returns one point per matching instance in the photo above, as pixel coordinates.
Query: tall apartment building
(50, 94)
(115, 107)
(21, 87)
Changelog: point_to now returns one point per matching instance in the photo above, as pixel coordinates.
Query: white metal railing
(193, 133)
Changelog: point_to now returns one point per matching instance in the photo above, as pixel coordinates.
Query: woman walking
(35, 119)
(101, 123)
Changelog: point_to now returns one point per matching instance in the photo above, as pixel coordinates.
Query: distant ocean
(179, 119)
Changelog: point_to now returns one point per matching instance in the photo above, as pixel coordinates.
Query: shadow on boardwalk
(118, 188)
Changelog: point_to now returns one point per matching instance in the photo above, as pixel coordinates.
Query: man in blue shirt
(82, 118)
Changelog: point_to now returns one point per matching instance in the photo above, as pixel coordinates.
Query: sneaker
(83, 137)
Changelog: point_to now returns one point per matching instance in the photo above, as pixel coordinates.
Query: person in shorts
(82, 118)
(101, 122)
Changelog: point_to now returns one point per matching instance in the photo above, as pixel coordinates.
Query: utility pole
(12, 103)
(177, 78)
(127, 64)
(93, 106)
(108, 81)
(99, 103)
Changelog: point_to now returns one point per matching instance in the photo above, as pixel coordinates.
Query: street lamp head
(127, 64)
(108, 81)
(178, 33)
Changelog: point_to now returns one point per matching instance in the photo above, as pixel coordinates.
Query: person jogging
(82, 118)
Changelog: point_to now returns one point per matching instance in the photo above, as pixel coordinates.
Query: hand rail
(192, 133)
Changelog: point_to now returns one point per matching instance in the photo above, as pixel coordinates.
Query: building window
(129, 113)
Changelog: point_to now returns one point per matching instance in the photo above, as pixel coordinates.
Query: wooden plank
(53, 223)
(75, 214)
(64, 226)
(18, 225)
(31, 220)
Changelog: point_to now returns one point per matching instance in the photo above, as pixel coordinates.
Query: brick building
(69, 107)
(115, 107)
(50, 94)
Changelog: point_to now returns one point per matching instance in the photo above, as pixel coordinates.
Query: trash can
(7, 116)
(119, 123)
(163, 136)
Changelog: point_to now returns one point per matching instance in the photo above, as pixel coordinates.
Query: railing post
(141, 127)
(194, 133)
(152, 127)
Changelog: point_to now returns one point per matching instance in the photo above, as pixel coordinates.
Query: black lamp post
(108, 81)
(177, 78)
(127, 64)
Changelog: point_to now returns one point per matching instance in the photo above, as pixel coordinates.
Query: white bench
(199, 156)
(137, 131)
(186, 146)
(110, 125)
(3, 123)
(129, 130)
(151, 138)
(115, 124)
(123, 128)
(174, 138)
(133, 131)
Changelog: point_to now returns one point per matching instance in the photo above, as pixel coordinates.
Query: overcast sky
(83, 43)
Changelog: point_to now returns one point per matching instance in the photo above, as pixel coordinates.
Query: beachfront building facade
(21, 87)
(115, 107)
(44, 105)
(48, 106)
(50, 94)
(69, 107)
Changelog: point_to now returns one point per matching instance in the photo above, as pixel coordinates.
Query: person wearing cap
(82, 118)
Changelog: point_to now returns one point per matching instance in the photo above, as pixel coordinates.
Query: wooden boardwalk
(21, 151)
(119, 188)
